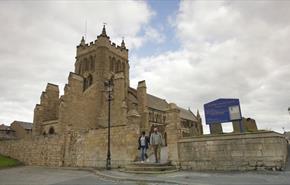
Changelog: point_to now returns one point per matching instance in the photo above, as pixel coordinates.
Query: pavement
(204, 178)
(32, 175)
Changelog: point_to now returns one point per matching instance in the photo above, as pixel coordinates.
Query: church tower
(84, 104)
(98, 60)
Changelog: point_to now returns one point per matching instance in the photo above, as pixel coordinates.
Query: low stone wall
(249, 151)
(76, 149)
(43, 151)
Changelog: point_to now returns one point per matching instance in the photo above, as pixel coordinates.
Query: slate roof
(187, 114)
(156, 103)
(4, 127)
(161, 104)
(25, 125)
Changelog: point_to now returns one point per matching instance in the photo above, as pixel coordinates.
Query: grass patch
(8, 162)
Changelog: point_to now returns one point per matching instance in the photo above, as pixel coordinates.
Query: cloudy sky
(189, 52)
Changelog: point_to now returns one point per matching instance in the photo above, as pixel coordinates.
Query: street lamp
(109, 84)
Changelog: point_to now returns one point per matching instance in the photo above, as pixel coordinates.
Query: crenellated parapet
(96, 60)
(102, 41)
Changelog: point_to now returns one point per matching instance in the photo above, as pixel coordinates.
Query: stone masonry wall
(77, 149)
(251, 151)
(90, 149)
(43, 151)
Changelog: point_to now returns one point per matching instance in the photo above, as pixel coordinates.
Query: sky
(189, 52)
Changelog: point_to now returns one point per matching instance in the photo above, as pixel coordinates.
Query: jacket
(146, 142)
(155, 138)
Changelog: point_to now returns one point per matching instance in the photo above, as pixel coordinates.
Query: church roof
(156, 103)
(161, 104)
(187, 114)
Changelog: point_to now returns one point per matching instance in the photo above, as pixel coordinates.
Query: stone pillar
(199, 123)
(142, 105)
(52, 102)
(216, 128)
(134, 117)
(248, 124)
(134, 120)
(117, 116)
(75, 84)
(236, 126)
(173, 132)
(37, 120)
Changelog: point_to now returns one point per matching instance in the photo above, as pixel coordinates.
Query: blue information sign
(222, 110)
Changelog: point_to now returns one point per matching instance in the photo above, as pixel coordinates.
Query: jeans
(143, 152)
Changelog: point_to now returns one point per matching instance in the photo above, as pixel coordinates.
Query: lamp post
(109, 84)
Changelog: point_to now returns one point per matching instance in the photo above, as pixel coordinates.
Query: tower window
(88, 81)
(92, 63)
(112, 65)
(51, 130)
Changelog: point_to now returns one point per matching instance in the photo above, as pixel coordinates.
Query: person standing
(143, 145)
(156, 142)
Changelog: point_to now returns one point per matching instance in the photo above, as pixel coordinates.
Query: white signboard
(235, 113)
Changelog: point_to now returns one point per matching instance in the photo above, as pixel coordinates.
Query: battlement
(102, 41)
(87, 48)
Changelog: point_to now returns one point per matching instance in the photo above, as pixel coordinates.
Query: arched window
(118, 66)
(90, 80)
(82, 67)
(85, 84)
(79, 68)
(123, 66)
(114, 65)
(92, 63)
(111, 65)
(51, 130)
(86, 64)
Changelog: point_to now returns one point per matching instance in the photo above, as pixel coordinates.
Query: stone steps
(149, 168)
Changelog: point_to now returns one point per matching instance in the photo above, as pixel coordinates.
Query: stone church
(84, 104)
(72, 129)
